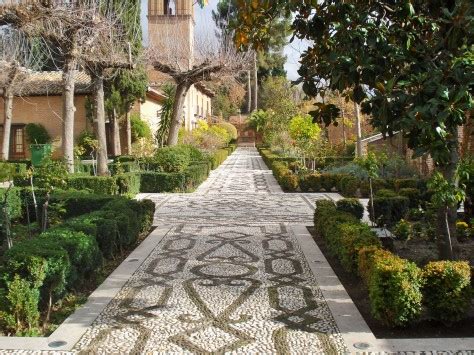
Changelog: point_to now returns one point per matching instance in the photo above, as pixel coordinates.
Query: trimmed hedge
(128, 183)
(162, 182)
(173, 159)
(83, 252)
(101, 185)
(42, 262)
(13, 201)
(447, 289)
(389, 210)
(352, 206)
(344, 234)
(395, 289)
(77, 203)
(218, 157)
(285, 177)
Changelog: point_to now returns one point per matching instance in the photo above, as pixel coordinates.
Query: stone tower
(171, 29)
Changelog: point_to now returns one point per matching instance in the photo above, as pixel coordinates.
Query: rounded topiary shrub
(173, 159)
(447, 290)
(352, 206)
(230, 128)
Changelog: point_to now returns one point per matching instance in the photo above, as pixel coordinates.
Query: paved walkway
(229, 276)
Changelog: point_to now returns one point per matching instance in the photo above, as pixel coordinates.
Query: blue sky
(204, 22)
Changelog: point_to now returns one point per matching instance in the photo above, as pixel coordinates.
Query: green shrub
(352, 206)
(37, 134)
(13, 201)
(162, 182)
(196, 174)
(128, 183)
(407, 183)
(147, 213)
(124, 167)
(349, 186)
(310, 182)
(83, 252)
(285, 177)
(80, 202)
(101, 185)
(324, 209)
(389, 210)
(218, 157)
(395, 289)
(347, 239)
(140, 128)
(365, 261)
(173, 159)
(230, 128)
(19, 307)
(385, 193)
(40, 261)
(413, 195)
(377, 184)
(447, 290)
(403, 230)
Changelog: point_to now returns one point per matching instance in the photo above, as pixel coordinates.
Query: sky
(205, 23)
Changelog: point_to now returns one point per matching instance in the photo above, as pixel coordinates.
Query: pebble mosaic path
(229, 276)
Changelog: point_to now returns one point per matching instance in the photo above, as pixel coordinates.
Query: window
(19, 147)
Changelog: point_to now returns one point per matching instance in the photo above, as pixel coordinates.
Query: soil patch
(424, 328)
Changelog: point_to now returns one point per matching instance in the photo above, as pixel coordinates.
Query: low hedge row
(219, 156)
(37, 272)
(398, 289)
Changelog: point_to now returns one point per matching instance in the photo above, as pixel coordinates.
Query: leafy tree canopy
(409, 63)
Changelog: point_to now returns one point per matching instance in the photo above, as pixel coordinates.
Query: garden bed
(358, 292)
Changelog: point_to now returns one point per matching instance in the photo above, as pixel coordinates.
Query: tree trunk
(249, 91)
(255, 82)
(7, 123)
(359, 130)
(116, 146)
(128, 127)
(343, 128)
(98, 88)
(447, 215)
(180, 95)
(68, 113)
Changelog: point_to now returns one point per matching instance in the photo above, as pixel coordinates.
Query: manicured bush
(324, 209)
(447, 290)
(352, 206)
(162, 182)
(218, 157)
(124, 167)
(83, 252)
(349, 186)
(285, 177)
(76, 203)
(230, 128)
(365, 261)
(101, 185)
(413, 195)
(389, 210)
(310, 182)
(128, 183)
(173, 159)
(395, 289)
(408, 183)
(347, 239)
(377, 184)
(196, 174)
(40, 261)
(13, 201)
(385, 193)
(19, 307)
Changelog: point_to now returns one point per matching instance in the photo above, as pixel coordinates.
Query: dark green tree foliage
(409, 63)
(126, 86)
(270, 57)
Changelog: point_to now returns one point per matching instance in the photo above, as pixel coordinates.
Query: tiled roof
(50, 83)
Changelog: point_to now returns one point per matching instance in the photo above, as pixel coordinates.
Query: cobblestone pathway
(229, 276)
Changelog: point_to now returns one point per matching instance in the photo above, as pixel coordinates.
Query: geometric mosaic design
(216, 289)
(228, 277)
